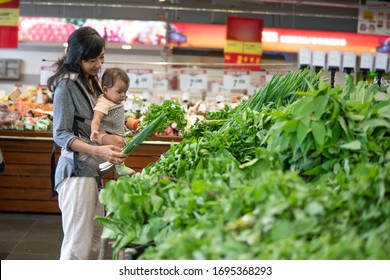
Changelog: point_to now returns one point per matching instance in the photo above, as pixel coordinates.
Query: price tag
(167, 96)
(334, 59)
(146, 95)
(304, 57)
(191, 79)
(236, 79)
(140, 78)
(160, 85)
(349, 60)
(381, 61)
(46, 73)
(219, 98)
(367, 61)
(185, 97)
(319, 59)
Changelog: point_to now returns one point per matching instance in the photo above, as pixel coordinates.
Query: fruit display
(24, 113)
(301, 170)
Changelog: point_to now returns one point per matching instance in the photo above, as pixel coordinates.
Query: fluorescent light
(126, 47)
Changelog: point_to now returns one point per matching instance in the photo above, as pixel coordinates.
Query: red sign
(243, 43)
(9, 22)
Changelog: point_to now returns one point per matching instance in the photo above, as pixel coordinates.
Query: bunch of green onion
(138, 139)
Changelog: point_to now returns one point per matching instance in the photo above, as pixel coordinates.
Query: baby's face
(116, 93)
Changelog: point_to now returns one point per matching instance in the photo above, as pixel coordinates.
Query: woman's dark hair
(112, 74)
(83, 44)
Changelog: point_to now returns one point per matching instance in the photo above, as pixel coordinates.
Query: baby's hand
(94, 134)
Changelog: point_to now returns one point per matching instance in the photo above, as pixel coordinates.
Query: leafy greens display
(299, 171)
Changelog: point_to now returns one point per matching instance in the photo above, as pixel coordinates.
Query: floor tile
(7, 245)
(14, 229)
(42, 246)
(3, 256)
(44, 229)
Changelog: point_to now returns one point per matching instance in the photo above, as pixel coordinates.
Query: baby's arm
(132, 124)
(95, 125)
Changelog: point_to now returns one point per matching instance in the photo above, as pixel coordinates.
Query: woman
(77, 179)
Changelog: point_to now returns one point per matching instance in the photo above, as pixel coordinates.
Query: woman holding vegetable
(77, 178)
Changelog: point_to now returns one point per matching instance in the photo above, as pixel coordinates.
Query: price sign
(46, 73)
(160, 84)
(304, 57)
(319, 59)
(140, 78)
(349, 60)
(334, 59)
(381, 61)
(366, 61)
(236, 79)
(193, 79)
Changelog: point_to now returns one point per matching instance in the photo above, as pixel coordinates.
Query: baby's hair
(112, 74)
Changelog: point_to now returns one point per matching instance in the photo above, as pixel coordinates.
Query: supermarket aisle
(30, 236)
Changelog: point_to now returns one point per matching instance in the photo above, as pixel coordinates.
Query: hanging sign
(236, 79)
(9, 23)
(193, 79)
(140, 78)
(243, 42)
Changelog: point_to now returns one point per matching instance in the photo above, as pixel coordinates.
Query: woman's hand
(111, 154)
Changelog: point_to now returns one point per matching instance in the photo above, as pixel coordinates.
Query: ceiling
(331, 15)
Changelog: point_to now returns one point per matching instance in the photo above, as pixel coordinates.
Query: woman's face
(91, 67)
(116, 93)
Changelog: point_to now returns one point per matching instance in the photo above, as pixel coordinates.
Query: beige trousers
(79, 203)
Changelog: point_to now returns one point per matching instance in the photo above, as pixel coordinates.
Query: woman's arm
(110, 153)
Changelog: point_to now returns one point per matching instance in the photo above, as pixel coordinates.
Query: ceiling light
(126, 47)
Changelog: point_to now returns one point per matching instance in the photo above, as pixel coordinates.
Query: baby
(109, 122)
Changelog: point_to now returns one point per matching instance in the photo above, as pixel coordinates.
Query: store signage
(189, 34)
(374, 17)
(140, 78)
(46, 73)
(236, 79)
(286, 40)
(193, 79)
(243, 42)
(9, 23)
